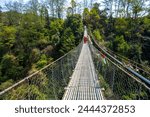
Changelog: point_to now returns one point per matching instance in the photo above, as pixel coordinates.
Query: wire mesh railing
(118, 83)
(47, 83)
(139, 68)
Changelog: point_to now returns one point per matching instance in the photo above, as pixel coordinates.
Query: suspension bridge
(88, 72)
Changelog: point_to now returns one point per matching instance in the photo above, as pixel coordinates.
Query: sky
(5, 1)
(68, 1)
(67, 4)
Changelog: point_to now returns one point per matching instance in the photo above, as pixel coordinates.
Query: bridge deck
(84, 84)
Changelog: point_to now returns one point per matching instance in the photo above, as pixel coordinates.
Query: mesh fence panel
(116, 82)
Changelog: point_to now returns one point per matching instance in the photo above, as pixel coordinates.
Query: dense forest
(30, 38)
(35, 33)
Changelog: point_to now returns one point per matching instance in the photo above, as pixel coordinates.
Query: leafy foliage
(68, 41)
(120, 45)
(10, 67)
(97, 35)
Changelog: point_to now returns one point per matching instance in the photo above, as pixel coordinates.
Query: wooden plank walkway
(84, 83)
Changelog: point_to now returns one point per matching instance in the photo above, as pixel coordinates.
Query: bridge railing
(47, 83)
(117, 82)
(121, 64)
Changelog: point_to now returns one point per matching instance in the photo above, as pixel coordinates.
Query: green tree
(97, 35)
(10, 68)
(120, 45)
(35, 55)
(94, 16)
(121, 25)
(33, 6)
(13, 14)
(57, 27)
(0, 14)
(137, 7)
(7, 39)
(42, 62)
(6, 84)
(73, 6)
(67, 41)
(47, 20)
(135, 52)
(86, 17)
(74, 22)
(59, 6)
(146, 24)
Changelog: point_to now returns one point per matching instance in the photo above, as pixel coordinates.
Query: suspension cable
(121, 64)
(126, 72)
(130, 61)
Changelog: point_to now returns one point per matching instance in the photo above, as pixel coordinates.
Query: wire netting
(116, 82)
